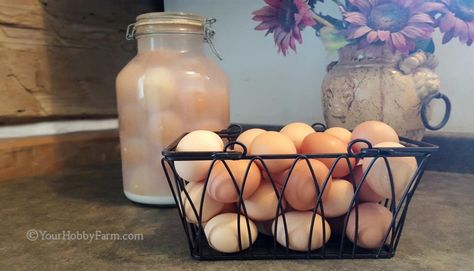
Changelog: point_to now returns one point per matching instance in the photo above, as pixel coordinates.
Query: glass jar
(170, 87)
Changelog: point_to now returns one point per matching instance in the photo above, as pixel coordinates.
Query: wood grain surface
(32, 156)
(59, 58)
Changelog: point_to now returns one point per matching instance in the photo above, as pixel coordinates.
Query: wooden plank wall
(59, 58)
(33, 156)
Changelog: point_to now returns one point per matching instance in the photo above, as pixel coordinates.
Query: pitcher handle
(424, 107)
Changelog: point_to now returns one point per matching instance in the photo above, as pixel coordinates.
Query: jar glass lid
(166, 23)
(173, 23)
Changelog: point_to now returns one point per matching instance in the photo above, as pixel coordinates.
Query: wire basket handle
(319, 127)
(349, 147)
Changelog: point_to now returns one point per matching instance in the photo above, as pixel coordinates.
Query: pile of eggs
(276, 186)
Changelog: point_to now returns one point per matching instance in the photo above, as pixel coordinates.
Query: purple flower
(285, 19)
(397, 23)
(457, 20)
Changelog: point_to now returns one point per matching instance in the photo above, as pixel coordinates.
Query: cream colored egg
(199, 140)
(134, 151)
(373, 223)
(299, 227)
(131, 120)
(210, 207)
(164, 128)
(273, 143)
(192, 171)
(342, 133)
(338, 199)
(263, 204)
(159, 89)
(402, 168)
(222, 232)
(297, 131)
(246, 138)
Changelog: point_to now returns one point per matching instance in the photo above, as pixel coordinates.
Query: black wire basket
(266, 247)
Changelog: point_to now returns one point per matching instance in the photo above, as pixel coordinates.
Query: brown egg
(365, 194)
(373, 131)
(222, 232)
(210, 207)
(297, 131)
(263, 204)
(342, 133)
(273, 143)
(402, 168)
(322, 143)
(374, 221)
(338, 199)
(199, 140)
(246, 138)
(299, 227)
(222, 188)
(301, 191)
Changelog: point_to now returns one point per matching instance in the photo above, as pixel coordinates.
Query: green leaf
(425, 45)
(333, 39)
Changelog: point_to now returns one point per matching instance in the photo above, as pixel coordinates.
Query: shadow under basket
(266, 247)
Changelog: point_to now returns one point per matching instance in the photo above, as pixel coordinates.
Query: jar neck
(183, 43)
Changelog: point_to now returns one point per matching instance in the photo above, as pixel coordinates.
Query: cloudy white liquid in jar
(168, 89)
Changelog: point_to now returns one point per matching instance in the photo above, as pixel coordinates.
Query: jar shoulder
(132, 70)
(184, 69)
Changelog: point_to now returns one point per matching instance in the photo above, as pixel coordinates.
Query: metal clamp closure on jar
(173, 23)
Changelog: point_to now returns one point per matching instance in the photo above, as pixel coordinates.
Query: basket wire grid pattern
(267, 247)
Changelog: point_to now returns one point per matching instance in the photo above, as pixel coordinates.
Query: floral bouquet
(404, 26)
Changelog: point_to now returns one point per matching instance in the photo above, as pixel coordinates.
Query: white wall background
(272, 89)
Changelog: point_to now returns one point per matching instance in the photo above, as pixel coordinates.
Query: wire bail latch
(209, 36)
